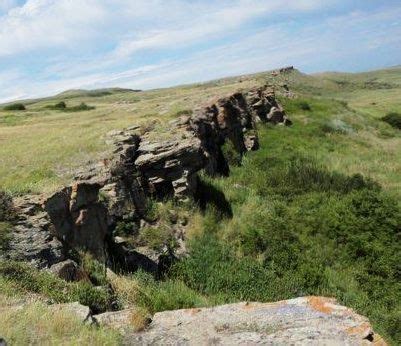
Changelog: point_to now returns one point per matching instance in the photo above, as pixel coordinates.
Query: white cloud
(6, 5)
(42, 24)
(154, 43)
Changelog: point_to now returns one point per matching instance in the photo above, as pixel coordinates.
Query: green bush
(81, 107)
(394, 119)
(58, 106)
(303, 105)
(15, 107)
(95, 270)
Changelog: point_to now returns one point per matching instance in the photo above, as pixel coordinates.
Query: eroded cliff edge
(144, 165)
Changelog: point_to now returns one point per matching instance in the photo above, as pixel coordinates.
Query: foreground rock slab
(300, 321)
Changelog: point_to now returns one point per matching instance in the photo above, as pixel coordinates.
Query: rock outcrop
(83, 216)
(32, 239)
(300, 321)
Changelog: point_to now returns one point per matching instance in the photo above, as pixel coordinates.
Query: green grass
(299, 228)
(28, 280)
(36, 324)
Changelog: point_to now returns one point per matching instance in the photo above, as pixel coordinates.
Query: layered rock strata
(83, 216)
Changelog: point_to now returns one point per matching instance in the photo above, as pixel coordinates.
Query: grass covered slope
(301, 228)
(315, 211)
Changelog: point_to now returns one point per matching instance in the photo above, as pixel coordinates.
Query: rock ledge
(300, 321)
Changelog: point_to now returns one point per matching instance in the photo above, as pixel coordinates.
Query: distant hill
(76, 93)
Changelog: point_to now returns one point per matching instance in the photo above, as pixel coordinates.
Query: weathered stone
(69, 271)
(300, 321)
(168, 167)
(251, 142)
(123, 320)
(32, 240)
(78, 218)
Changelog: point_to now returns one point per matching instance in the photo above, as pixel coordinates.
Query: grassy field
(316, 211)
(42, 148)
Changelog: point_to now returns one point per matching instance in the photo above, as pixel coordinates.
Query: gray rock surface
(32, 240)
(123, 320)
(69, 271)
(300, 321)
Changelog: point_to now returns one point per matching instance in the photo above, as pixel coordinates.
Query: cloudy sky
(47, 46)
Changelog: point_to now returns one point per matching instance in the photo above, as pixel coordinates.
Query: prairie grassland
(41, 149)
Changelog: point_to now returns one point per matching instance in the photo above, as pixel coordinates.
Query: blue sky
(47, 46)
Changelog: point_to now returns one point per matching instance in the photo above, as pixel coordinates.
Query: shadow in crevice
(124, 259)
(208, 195)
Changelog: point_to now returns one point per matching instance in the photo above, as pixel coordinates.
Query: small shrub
(95, 270)
(58, 106)
(15, 107)
(394, 119)
(303, 105)
(80, 108)
(157, 237)
(125, 228)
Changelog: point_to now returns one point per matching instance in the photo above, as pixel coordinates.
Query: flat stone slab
(300, 321)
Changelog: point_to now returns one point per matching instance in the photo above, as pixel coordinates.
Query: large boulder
(300, 321)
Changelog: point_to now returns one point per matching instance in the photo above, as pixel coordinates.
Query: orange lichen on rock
(321, 304)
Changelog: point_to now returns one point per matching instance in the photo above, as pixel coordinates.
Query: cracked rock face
(32, 240)
(300, 321)
(83, 215)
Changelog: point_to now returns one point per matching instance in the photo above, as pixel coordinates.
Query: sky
(48, 46)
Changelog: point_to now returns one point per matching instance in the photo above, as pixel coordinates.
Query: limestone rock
(300, 321)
